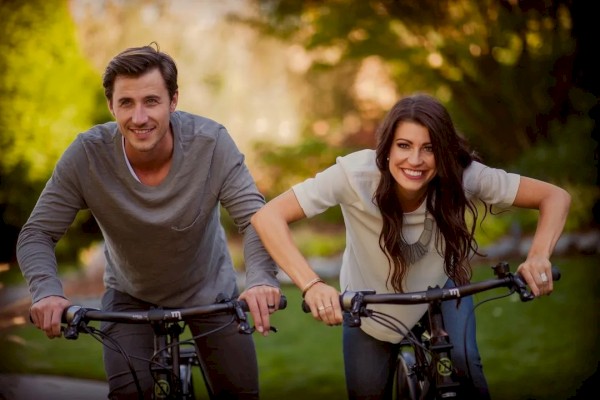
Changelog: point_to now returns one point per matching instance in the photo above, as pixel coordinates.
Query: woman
(405, 207)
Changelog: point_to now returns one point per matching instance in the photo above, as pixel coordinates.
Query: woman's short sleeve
(493, 186)
(327, 189)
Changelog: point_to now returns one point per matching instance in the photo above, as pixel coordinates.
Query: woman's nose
(415, 157)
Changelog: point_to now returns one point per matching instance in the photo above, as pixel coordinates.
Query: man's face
(142, 107)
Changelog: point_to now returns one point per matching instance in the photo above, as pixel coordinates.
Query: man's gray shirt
(163, 244)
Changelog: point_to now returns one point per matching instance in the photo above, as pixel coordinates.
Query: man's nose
(139, 115)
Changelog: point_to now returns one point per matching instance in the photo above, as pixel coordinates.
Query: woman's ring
(320, 308)
(544, 277)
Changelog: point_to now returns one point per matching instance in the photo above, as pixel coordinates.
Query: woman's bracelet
(310, 284)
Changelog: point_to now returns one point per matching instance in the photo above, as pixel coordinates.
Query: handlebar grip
(555, 273)
(521, 287)
(305, 307)
(69, 313)
(282, 302)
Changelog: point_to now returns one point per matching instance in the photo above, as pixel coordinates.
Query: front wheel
(407, 384)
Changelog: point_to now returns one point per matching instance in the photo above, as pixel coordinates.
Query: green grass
(540, 350)
(546, 348)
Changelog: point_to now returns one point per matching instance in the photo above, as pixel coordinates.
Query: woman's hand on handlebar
(537, 272)
(46, 314)
(324, 303)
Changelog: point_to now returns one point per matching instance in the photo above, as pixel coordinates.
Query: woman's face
(412, 163)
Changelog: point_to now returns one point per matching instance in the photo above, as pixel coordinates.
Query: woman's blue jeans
(370, 363)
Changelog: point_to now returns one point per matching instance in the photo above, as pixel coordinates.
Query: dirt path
(28, 387)
(15, 301)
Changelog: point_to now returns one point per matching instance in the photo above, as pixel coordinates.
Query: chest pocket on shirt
(191, 229)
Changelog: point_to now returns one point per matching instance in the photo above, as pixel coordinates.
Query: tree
(514, 74)
(48, 94)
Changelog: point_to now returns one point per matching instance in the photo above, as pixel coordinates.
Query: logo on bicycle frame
(176, 314)
(444, 366)
(162, 389)
(454, 292)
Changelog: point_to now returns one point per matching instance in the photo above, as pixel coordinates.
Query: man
(155, 180)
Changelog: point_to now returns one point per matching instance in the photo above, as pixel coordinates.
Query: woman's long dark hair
(446, 200)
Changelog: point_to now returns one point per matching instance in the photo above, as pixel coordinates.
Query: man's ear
(110, 107)
(173, 105)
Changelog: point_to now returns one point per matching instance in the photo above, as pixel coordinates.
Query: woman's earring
(388, 159)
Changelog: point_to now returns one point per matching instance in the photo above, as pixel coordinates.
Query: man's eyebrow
(149, 97)
(122, 99)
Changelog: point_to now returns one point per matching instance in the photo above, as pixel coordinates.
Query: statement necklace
(415, 251)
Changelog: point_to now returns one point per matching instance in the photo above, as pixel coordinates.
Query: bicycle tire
(407, 385)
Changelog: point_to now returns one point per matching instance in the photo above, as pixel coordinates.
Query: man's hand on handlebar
(262, 301)
(46, 314)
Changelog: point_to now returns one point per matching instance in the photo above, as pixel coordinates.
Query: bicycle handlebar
(75, 316)
(353, 300)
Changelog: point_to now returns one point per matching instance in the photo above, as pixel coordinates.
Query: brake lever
(358, 308)
(243, 325)
(521, 288)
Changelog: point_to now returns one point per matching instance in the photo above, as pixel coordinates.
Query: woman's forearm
(553, 204)
(272, 225)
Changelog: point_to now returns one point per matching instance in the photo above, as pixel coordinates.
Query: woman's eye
(428, 149)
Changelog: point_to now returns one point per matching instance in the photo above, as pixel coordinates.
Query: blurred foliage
(504, 68)
(519, 78)
(288, 165)
(327, 241)
(48, 94)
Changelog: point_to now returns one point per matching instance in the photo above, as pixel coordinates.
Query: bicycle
(424, 368)
(172, 362)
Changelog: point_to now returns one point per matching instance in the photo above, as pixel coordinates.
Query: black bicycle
(173, 359)
(425, 368)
